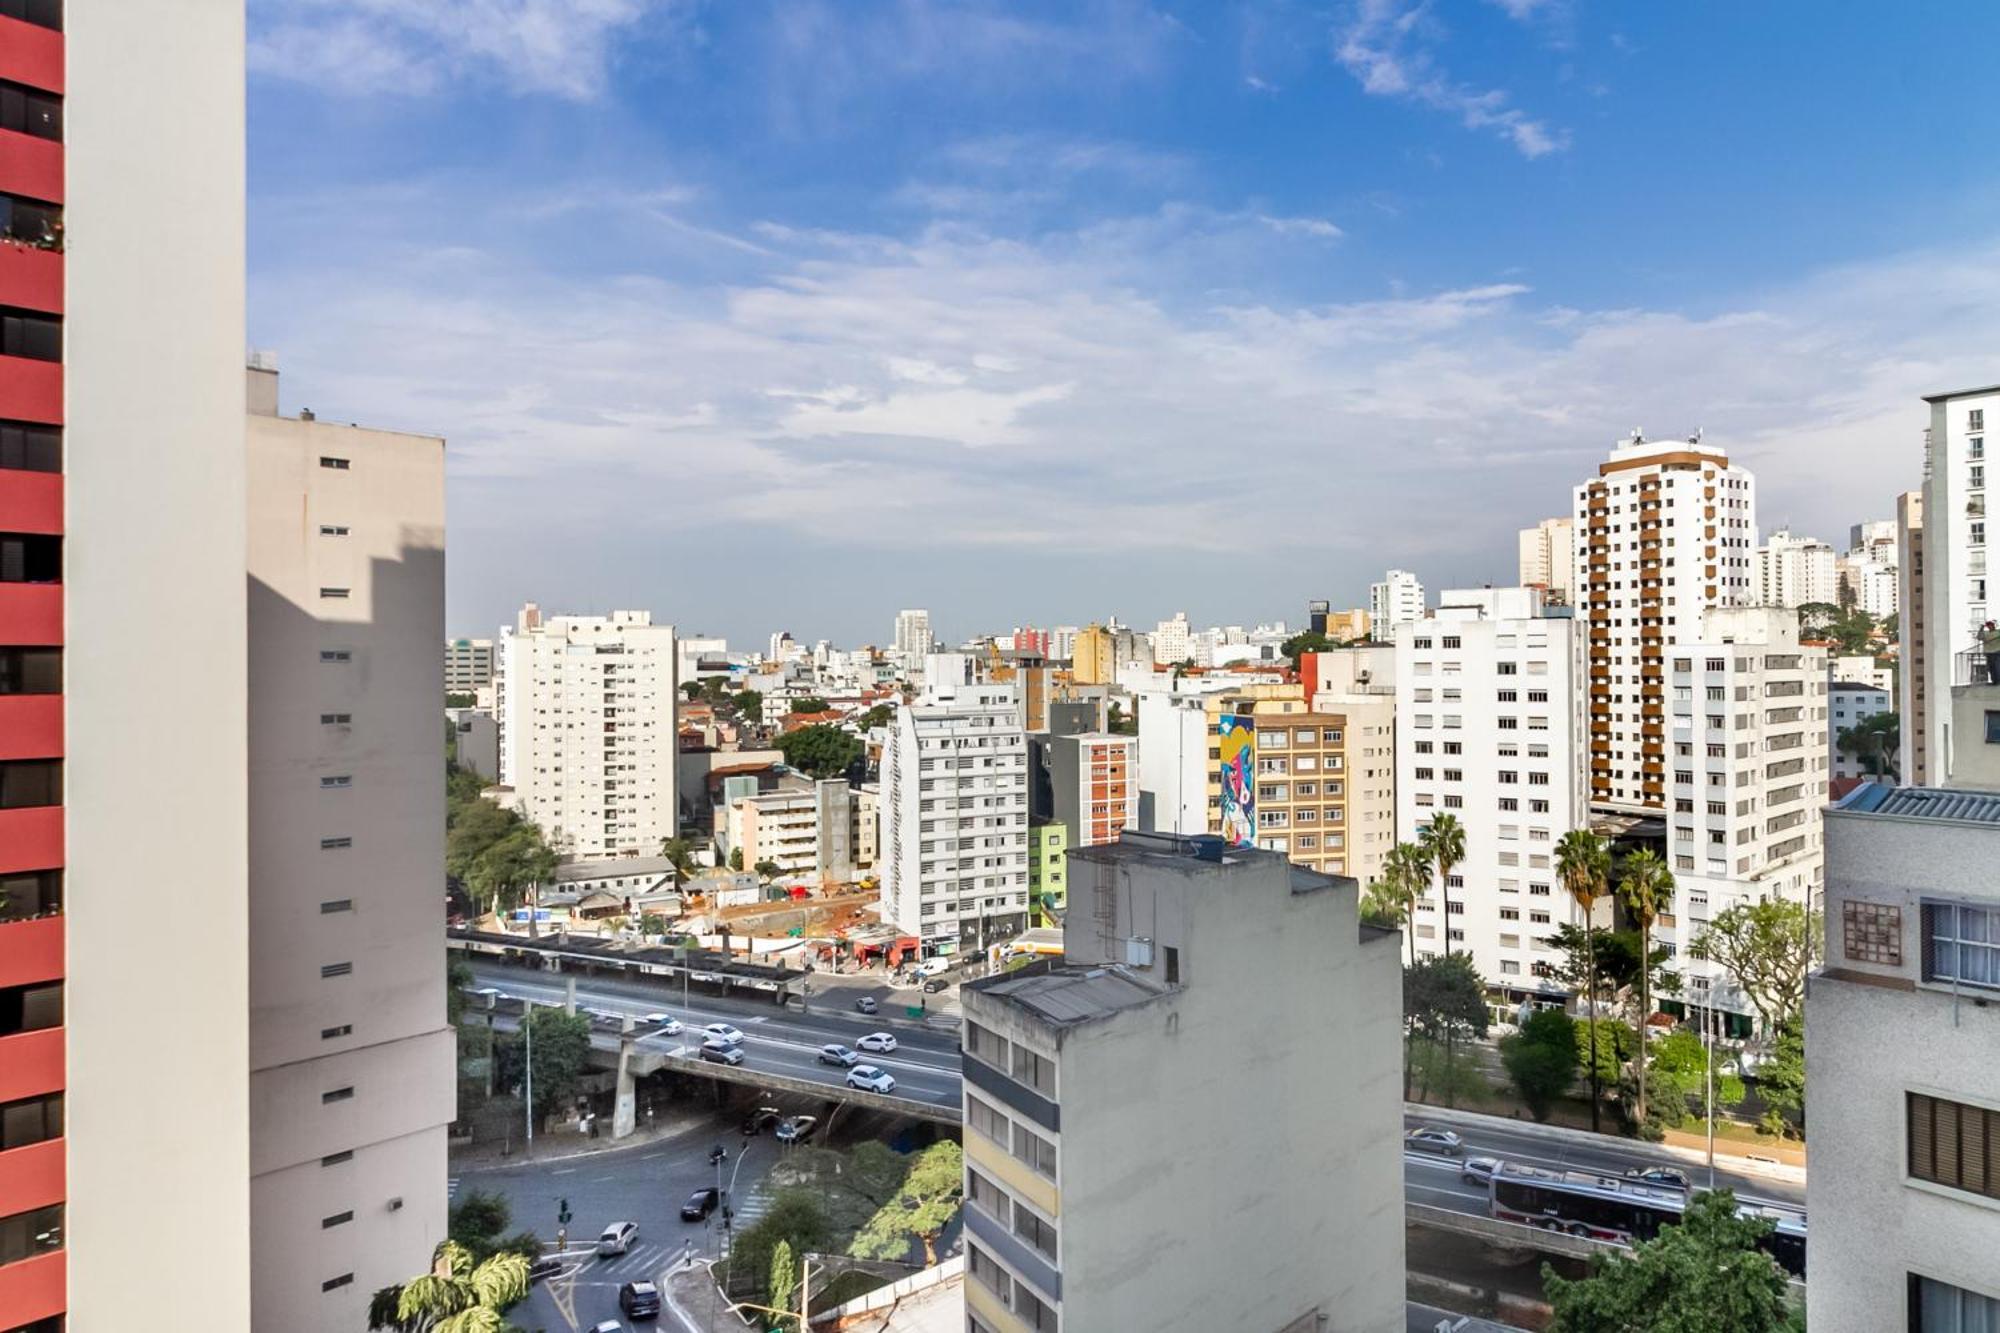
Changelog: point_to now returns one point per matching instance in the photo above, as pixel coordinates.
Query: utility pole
(805, 1293)
(1708, 1075)
(528, 1072)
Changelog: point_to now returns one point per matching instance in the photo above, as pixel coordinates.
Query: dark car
(1668, 1176)
(545, 1267)
(639, 1300)
(760, 1120)
(701, 1203)
(935, 984)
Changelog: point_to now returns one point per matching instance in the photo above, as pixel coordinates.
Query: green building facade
(1048, 872)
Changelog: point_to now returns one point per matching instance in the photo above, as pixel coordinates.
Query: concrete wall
(157, 913)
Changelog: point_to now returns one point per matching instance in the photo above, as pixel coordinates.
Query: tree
(681, 853)
(692, 689)
(1117, 723)
(736, 858)
(1768, 947)
(1892, 626)
(881, 715)
(1406, 875)
(562, 1050)
(748, 704)
(454, 699)
(1584, 863)
(1605, 1047)
(1310, 641)
(808, 703)
(1540, 1059)
(783, 1284)
(1702, 1274)
(1382, 906)
(1781, 1080)
(1443, 842)
(1874, 741)
(1681, 1066)
(477, 1220)
(821, 750)
(922, 1208)
(767, 870)
(456, 1296)
(1444, 998)
(509, 870)
(1646, 889)
(796, 1218)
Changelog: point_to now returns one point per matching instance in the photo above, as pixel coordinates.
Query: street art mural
(1238, 735)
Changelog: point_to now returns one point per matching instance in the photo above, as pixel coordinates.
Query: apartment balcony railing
(1969, 668)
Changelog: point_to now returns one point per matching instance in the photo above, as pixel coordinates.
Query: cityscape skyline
(948, 286)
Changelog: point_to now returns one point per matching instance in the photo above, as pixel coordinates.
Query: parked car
(639, 1300)
(617, 1239)
(760, 1120)
(797, 1128)
(930, 967)
(608, 1326)
(545, 1267)
(936, 984)
(722, 1032)
(1478, 1170)
(866, 1004)
(721, 1054)
(1671, 1177)
(870, 1078)
(1431, 1139)
(833, 1053)
(879, 1042)
(666, 1023)
(700, 1203)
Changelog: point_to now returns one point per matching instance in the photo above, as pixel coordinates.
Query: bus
(1623, 1210)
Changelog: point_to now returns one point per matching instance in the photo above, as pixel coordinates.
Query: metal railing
(1970, 668)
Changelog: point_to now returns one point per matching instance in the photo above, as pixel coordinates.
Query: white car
(870, 1079)
(835, 1054)
(617, 1239)
(930, 967)
(880, 1042)
(666, 1023)
(722, 1032)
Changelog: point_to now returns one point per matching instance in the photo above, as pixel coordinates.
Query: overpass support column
(625, 1111)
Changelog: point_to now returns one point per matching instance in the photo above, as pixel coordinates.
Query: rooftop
(633, 865)
(1064, 996)
(1961, 393)
(1939, 803)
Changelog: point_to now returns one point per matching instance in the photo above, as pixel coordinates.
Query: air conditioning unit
(1138, 952)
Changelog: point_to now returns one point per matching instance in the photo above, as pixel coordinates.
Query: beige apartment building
(1271, 1197)
(1301, 762)
(352, 1067)
(1359, 684)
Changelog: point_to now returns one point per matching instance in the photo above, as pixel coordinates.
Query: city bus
(1623, 1210)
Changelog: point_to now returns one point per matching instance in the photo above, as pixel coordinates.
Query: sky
(787, 315)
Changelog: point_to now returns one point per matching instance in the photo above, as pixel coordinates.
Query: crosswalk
(650, 1258)
(450, 1188)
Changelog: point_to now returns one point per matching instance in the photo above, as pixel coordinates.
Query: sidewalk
(696, 1303)
(562, 1144)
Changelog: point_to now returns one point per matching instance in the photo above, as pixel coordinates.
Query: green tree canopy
(807, 703)
(1613, 1040)
(783, 1285)
(691, 688)
(1768, 947)
(458, 1295)
(1676, 1070)
(1310, 641)
(796, 1219)
(1874, 742)
(881, 715)
(748, 704)
(1702, 1275)
(1444, 996)
(821, 750)
(1540, 1059)
(562, 1052)
(508, 868)
(1781, 1080)
(924, 1204)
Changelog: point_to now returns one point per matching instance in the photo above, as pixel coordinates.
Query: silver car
(617, 1239)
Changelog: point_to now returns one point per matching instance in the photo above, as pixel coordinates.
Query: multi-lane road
(781, 1041)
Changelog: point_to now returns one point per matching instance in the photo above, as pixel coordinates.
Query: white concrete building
(1490, 729)
(1794, 570)
(1870, 581)
(1396, 600)
(1848, 704)
(1548, 557)
(468, 665)
(1360, 683)
(587, 735)
(1665, 531)
(954, 852)
(1902, 1021)
(914, 639)
(353, 1071)
(1913, 662)
(1074, 1220)
(1860, 669)
(1875, 540)
(807, 829)
(1176, 736)
(1750, 772)
(1173, 640)
(1954, 557)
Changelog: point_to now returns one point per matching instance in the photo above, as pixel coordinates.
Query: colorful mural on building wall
(1237, 733)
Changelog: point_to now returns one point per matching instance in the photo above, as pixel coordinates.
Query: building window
(1872, 932)
(986, 1045)
(30, 558)
(1034, 1230)
(37, 337)
(336, 719)
(334, 594)
(1174, 958)
(24, 897)
(1037, 1071)
(31, 1008)
(30, 670)
(1035, 1150)
(988, 1196)
(336, 1095)
(334, 1034)
(336, 970)
(1962, 944)
(336, 1283)
(986, 1119)
(335, 1159)
(337, 1220)
(335, 655)
(990, 1274)
(334, 844)
(1939, 1307)
(25, 1235)
(336, 464)
(1993, 726)
(1953, 1144)
(332, 905)
(332, 530)
(26, 447)
(31, 1120)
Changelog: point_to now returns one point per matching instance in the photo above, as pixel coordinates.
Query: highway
(926, 1068)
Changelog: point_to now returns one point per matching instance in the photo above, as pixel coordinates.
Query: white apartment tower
(1666, 530)
(1396, 600)
(588, 740)
(954, 853)
(1794, 571)
(1954, 562)
(352, 1067)
(1173, 640)
(468, 665)
(1749, 773)
(1548, 557)
(1490, 729)
(913, 634)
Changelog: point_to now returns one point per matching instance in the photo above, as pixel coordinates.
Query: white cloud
(1387, 47)
(352, 47)
(1318, 229)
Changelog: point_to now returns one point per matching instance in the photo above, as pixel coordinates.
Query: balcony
(31, 166)
(1969, 668)
(32, 1289)
(31, 278)
(31, 51)
(31, 1063)
(31, 839)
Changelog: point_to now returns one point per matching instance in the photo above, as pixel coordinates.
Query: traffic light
(563, 1213)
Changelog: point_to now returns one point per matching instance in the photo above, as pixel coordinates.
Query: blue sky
(791, 314)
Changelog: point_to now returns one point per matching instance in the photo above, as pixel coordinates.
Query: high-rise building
(1091, 660)
(1062, 643)
(1173, 641)
(1316, 614)
(1396, 600)
(1088, 782)
(1347, 626)
(1794, 571)
(1904, 1193)
(468, 665)
(954, 853)
(1490, 714)
(1868, 584)
(1074, 1221)
(1954, 559)
(806, 829)
(1548, 557)
(124, 1029)
(1874, 540)
(587, 736)
(1748, 721)
(1849, 704)
(1048, 870)
(1359, 685)
(1175, 736)
(1665, 531)
(1912, 674)
(352, 1066)
(913, 634)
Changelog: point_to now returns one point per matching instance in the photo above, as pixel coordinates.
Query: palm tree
(1405, 875)
(1584, 863)
(1648, 885)
(1443, 843)
(455, 1296)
